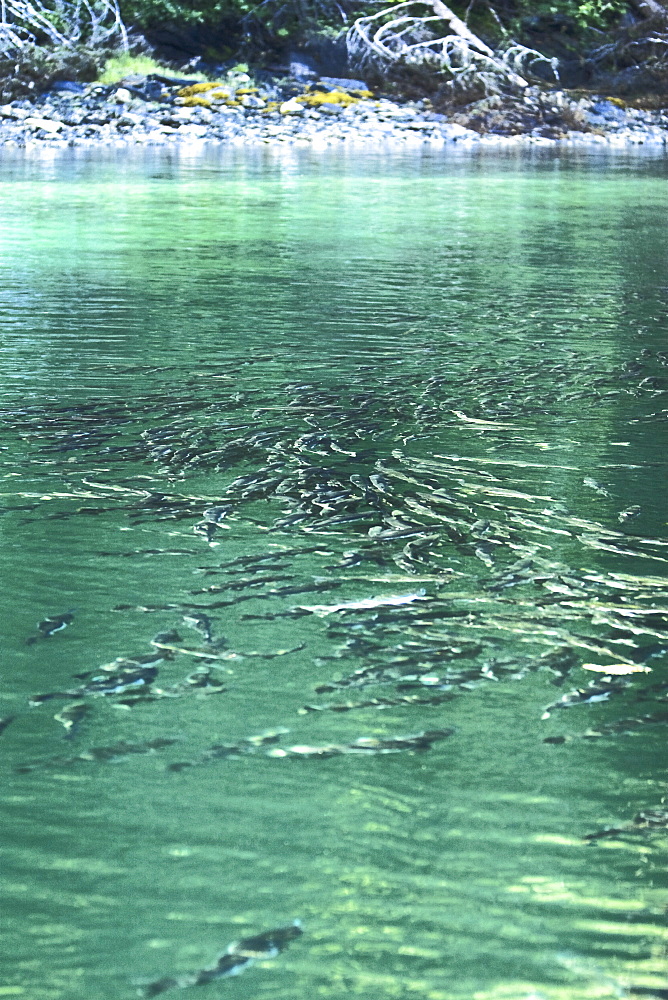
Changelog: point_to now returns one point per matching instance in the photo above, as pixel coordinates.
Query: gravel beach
(160, 110)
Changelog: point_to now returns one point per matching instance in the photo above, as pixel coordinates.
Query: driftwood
(61, 23)
(410, 35)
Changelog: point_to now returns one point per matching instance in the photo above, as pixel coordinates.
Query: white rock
(129, 119)
(454, 131)
(193, 129)
(184, 114)
(122, 96)
(251, 101)
(7, 111)
(291, 107)
(44, 123)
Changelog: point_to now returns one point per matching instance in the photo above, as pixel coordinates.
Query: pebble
(292, 107)
(116, 115)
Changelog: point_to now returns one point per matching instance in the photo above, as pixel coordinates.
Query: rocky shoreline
(159, 110)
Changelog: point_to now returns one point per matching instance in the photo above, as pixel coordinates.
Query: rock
(179, 116)
(46, 124)
(291, 107)
(606, 114)
(454, 131)
(147, 88)
(609, 111)
(396, 114)
(73, 118)
(18, 114)
(331, 111)
(129, 119)
(67, 87)
(302, 68)
(341, 83)
(133, 80)
(194, 130)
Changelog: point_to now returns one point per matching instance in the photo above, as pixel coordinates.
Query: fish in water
(348, 706)
(364, 603)
(221, 751)
(594, 485)
(168, 636)
(118, 682)
(202, 681)
(206, 528)
(237, 957)
(49, 626)
(650, 819)
(5, 721)
(367, 745)
(202, 624)
(214, 515)
(72, 716)
(586, 696)
(101, 754)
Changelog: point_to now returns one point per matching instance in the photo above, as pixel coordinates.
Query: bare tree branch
(63, 23)
(407, 35)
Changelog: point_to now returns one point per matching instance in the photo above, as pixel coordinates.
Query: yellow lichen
(198, 88)
(193, 102)
(247, 90)
(318, 97)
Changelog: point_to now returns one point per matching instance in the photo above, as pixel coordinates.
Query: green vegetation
(471, 49)
(148, 13)
(599, 13)
(297, 18)
(125, 64)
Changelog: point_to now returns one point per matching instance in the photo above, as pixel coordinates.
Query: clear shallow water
(486, 335)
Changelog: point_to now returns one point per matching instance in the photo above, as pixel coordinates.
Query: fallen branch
(61, 23)
(406, 35)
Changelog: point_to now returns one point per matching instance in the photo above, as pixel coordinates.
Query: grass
(124, 65)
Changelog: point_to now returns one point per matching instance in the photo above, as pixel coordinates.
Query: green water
(485, 335)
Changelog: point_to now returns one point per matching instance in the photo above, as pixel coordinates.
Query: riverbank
(160, 110)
